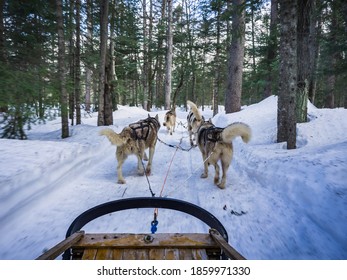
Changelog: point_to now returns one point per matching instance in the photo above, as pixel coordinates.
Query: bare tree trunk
(344, 10)
(286, 119)
(3, 57)
(236, 56)
(217, 64)
(89, 79)
(191, 55)
(145, 55)
(168, 57)
(303, 55)
(330, 92)
(334, 56)
(150, 76)
(103, 50)
(315, 32)
(158, 72)
(71, 62)
(253, 33)
(78, 62)
(271, 48)
(61, 71)
(112, 62)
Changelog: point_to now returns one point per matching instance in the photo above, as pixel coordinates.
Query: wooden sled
(79, 245)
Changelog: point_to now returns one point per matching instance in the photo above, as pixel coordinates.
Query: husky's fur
(170, 121)
(216, 144)
(135, 139)
(194, 119)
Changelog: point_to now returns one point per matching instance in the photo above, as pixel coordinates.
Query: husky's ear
(149, 115)
(210, 120)
(157, 117)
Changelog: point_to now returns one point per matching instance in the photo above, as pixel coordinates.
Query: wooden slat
(58, 249)
(227, 249)
(104, 254)
(199, 254)
(172, 254)
(89, 254)
(129, 254)
(185, 254)
(156, 254)
(145, 254)
(142, 254)
(162, 246)
(173, 240)
(117, 254)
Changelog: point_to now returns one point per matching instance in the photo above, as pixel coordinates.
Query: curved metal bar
(145, 202)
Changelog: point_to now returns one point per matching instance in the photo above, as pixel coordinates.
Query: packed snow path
(278, 204)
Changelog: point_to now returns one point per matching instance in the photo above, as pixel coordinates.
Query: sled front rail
(161, 246)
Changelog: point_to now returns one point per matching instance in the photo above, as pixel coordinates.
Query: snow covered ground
(295, 201)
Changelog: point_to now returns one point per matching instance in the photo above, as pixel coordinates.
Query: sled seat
(160, 246)
(79, 245)
(145, 247)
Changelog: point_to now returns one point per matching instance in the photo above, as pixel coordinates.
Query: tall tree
(104, 114)
(111, 64)
(3, 59)
(333, 55)
(217, 77)
(70, 31)
(159, 60)
(145, 55)
(271, 49)
(192, 57)
(77, 83)
(2, 34)
(315, 33)
(344, 10)
(303, 57)
(286, 119)
(236, 56)
(61, 71)
(89, 47)
(168, 56)
(150, 75)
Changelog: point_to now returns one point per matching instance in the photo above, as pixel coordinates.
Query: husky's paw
(203, 175)
(221, 185)
(121, 181)
(140, 172)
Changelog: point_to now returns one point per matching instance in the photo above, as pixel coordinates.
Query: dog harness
(140, 130)
(212, 134)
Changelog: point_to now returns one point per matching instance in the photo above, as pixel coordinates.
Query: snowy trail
(48, 182)
(277, 204)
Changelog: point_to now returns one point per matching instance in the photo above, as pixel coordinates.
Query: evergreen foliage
(201, 38)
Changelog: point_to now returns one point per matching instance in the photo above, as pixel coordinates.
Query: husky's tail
(195, 110)
(236, 129)
(114, 137)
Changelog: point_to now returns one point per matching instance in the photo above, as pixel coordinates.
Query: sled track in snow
(49, 181)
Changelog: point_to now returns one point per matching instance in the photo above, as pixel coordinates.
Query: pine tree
(236, 56)
(286, 119)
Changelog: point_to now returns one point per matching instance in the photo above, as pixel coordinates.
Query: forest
(64, 58)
